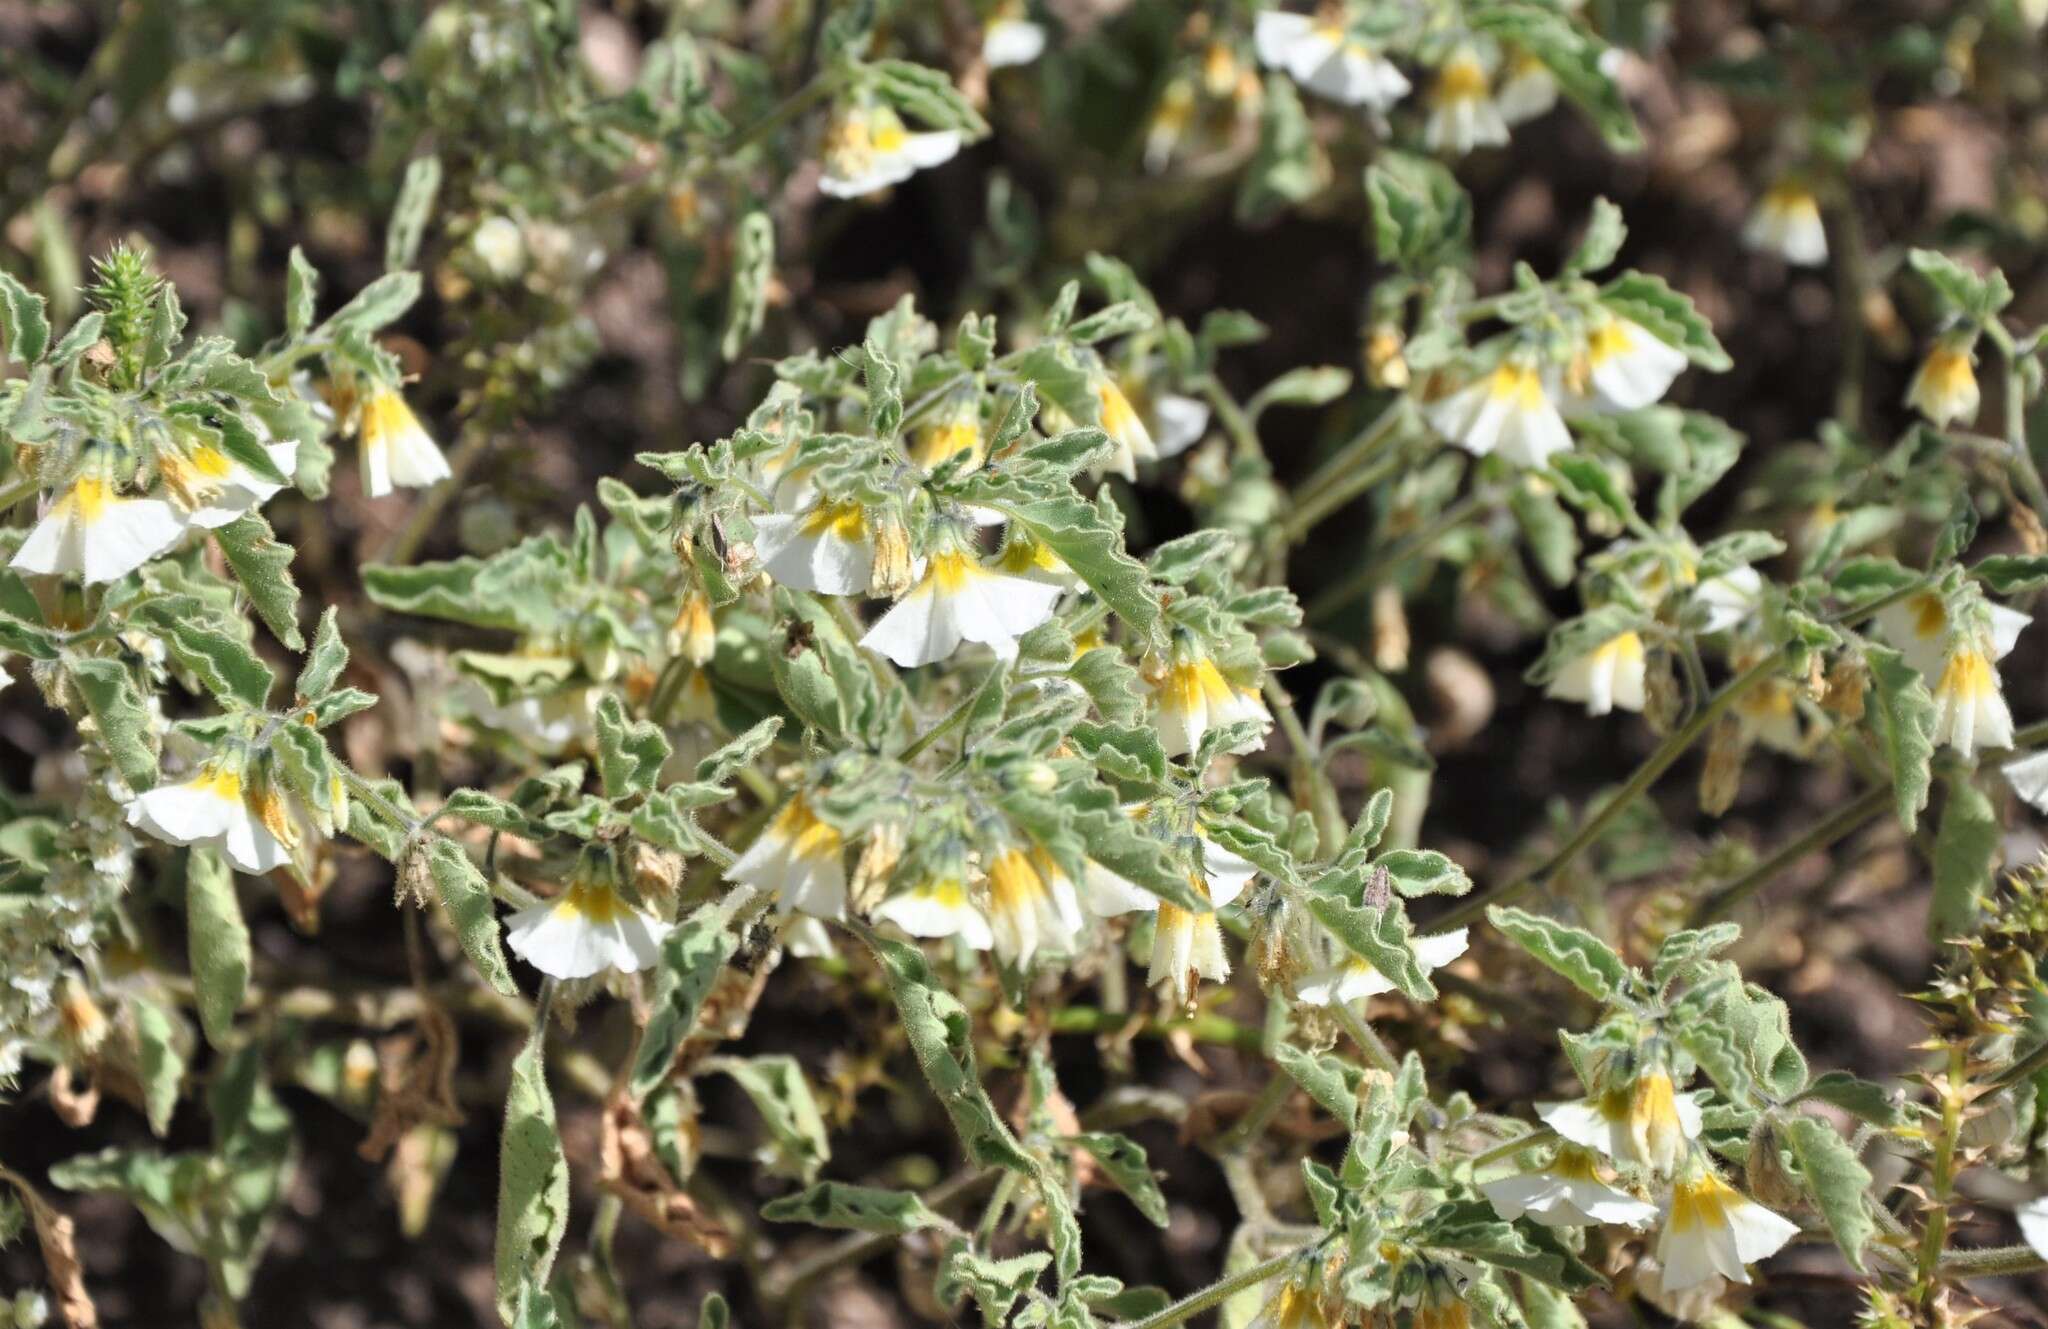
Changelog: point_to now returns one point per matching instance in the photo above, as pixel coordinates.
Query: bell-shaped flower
(1130, 441)
(959, 600)
(937, 907)
(1510, 410)
(828, 549)
(1354, 978)
(1625, 366)
(397, 451)
(586, 930)
(1192, 697)
(1322, 55)
(1944, 388)
(1032, 907)
(99, 535)
(1712, 1230)
(799, 859)
(1009, 38)
(1786, 222)
(215, 489)
(220, 806)
(1180, 422)
(1970, 713)
(1643, 1123)
(868, 149)
(1567, 1192)
(1527, 89)
(1918, 628)
(1729, 600)
(1462, 112)
(1611, 674)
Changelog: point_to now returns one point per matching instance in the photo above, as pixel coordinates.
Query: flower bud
(694, 636)
(1846, 680)
(359, 1070)
(1654, 1126)
(83, 1022)
(877, 863)
(1721, 777)
(1385, 366)
(1389, 629)
(892, 574)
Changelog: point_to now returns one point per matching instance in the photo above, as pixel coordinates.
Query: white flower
(100, 535)
(1187, 946)
(1326, 59)
(397, 450)
(585, 930)
(1969, 708)
(1769, 714)
(1462, 114)
(1609, 675)
(501, 247)
(548, 724)
(827, 550)
(1194, 697)
(868, 149)
(1566, 1193)
(1182, 421)
(2029, 779)
(1626, 367)
(1787, 223)
(1688, 1305)
(1108, 894)
(1355, 978)
(959, 600)
(1510, 410)
(251, 826)
(1527, 89)
(1711, 1229)
(1644, 1123)
(1729, 599)
(2033, 1220)
(1010, 39)
(798, 859)
(956, 434)
(214, 488)
(1918, 626)
(937, 907)
(1031, 906)
(1944, 388)
(1169, 122)
(1130, 441)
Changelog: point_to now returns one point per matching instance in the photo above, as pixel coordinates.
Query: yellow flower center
(938, 443)
(1947, 373)
(1118, 419)
(1701, 1202)
(385, 415)
(1014, 886)
(1462, 79)
(808, 837)
(951, 571)
(1624, 649)
(1517, 384)
(842, 520)
(221, 782)
(1193, 683)
(592, 901)
(1610, 339)
(89, 497)
(1792, 202)
(1967, 675)
(1930, 615)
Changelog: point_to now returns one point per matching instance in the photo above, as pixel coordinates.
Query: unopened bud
(83, 1022)
(359, 1069)
(1663, 699)
(1385, 366)
(1847, 679)
(877, 863)
(892, 572)
(1389, 629)
(1041, 778)
(694, 636)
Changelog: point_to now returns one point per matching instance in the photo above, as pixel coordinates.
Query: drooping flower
(827, 550)
(1510, 410)
(397, 450)
(1354, 978)
(1643, 1122)
(868, 149)
(1918, 626)
(1713, 1230)
(1130, 441)
(1944, 388)
(694, 634)
(1322, 55)
(1626, 367)
(1295, 1306)
(215, 489)
(1786, 222)
(1969, 705)
(1728, 601)
(96, 533)
(1009, 38)
(246, 820)
(1769, 714)
(1194, 697)
(959, 600)
(799, 859)
(1567, 1192)
(1181, 421)
(1611, 674)
(1031, 906)
(1527, 89)
(586, 930)
(1462, 112)
(949, 434)
(938, 907)
(2033, 1220)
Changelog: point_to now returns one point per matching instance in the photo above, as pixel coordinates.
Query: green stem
(1846, 819)
(1308, 776)
(1515, 1146)
(1993, 1261)
(954, 719)
(1417, 541)
(1244, 439)
(1216, 1029)
(2016, 419)
(1669, 751)
(1213, 1295)
(1346, 474)
(790, 108)
(1258, 1116)
(1368, 1042)
(367, 794)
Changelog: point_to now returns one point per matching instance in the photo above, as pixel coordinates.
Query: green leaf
(1589, 484)
(1421, 216)
(218, 943)
(1667, 315)
(1587, 962)
(834, 1204)
(467, 897)
(301, 291)
(1284, 169)
(1858, 1097)
(1124, 1160)
(225, 667)
(1965, 857)
(1838, 1181)
(1111, 683)
(1311, 385)
(1080, 533)
(327, 659)
(264, 567)
(382, 301)
(161, 1063)
(692, 958)
(926, 94)
(1605, 232)
(994, 1284)
(533, 1186)
(486, 810)
(1905, 723)
(1378, 935)
(753, 273)
(1331, 1081)
(1575, 57)
(120, 716)
(409, 214)
(1961, 289)
(630, 755)
(24, 326)
(2012, 574)
(778, 1090)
